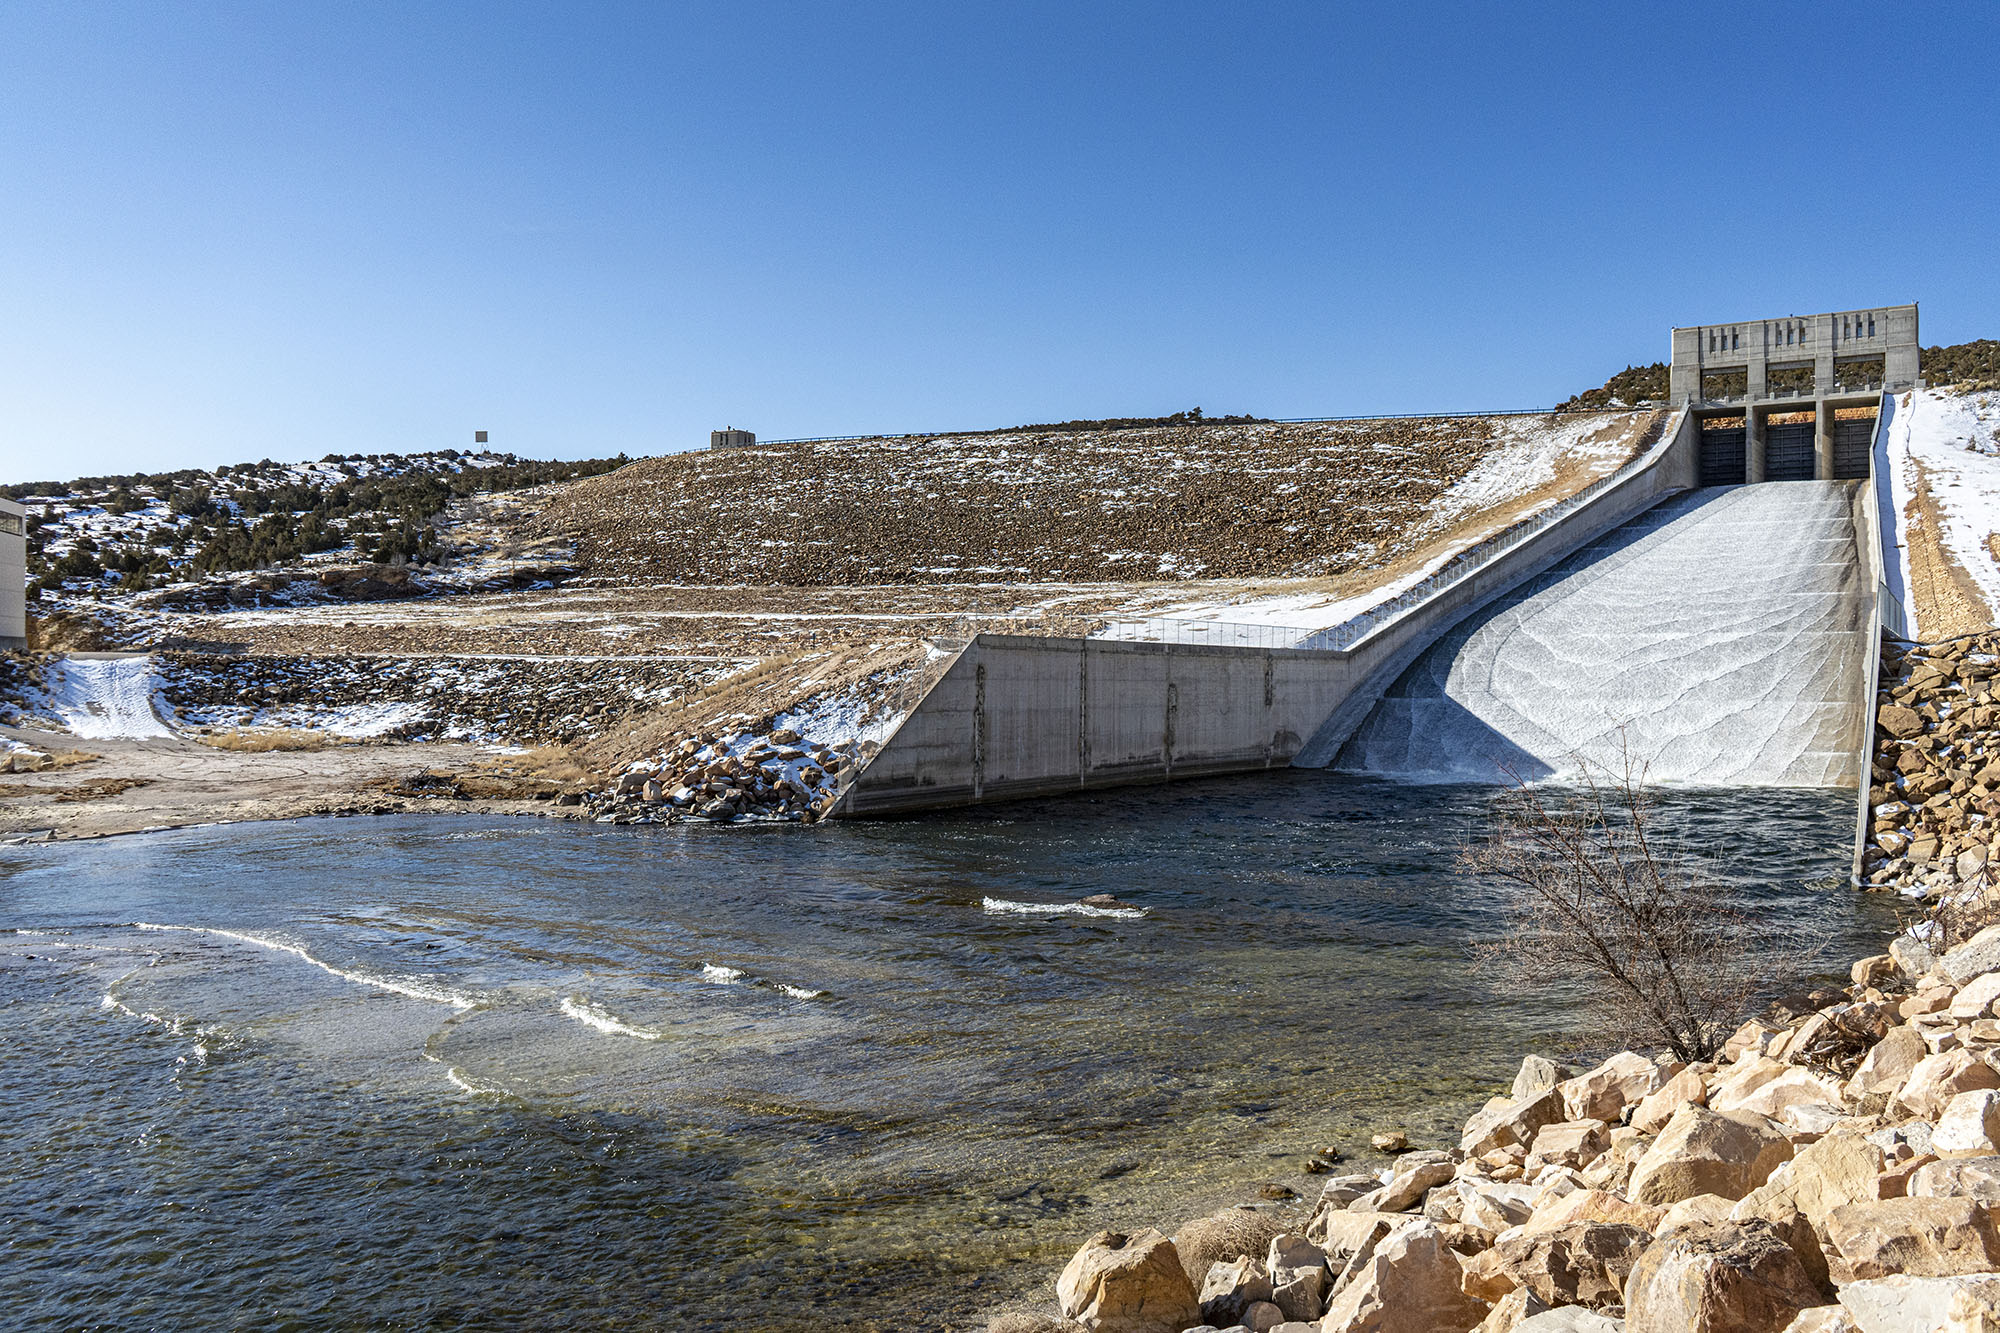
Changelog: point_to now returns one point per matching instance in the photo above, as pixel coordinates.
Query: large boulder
(1410, 1284)
(1120, 1283)
(1705, 1152)
(1407, 1189)
(1975, 957)
(1967, 1304)
(1823, 1319)
(1494, 1206)
(1936, 1079)
(1220, 1237)
(1536, 1076)
(1970, 1124)
(1976, 1178)
(1790, 1087)
(1231, 1288)
(1575, 1143)
(1920, 1237)
(1507, 1121)
(1889, 1061)
(1721, 1277)
(1835, 1171)
(1588, 1205)
(1570, 1319)
(1686, 1088)
(1299, 1277)
(1509, 1312)
(1603, 1093)
(1584, 1263)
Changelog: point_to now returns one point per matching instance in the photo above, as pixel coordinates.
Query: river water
(488, 1073)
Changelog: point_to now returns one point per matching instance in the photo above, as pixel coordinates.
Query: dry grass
(71, 758)
(546, 763)
(99, 787)
(265, 742)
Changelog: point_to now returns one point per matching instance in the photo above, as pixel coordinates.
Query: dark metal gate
(1722, 456)
(1851, 442)
(1788, 452)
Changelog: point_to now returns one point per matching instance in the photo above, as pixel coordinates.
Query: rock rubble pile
(525, 700)
(1201, 501)
(1935, 778)
(772, 778)
(1833, 1171)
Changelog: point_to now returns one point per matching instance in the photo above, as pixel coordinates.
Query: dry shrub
(71, 758)
(264, 742)
(550, 763)
(1224, 1236)
(1663, 954)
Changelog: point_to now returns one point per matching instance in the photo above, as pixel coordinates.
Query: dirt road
(170, 782)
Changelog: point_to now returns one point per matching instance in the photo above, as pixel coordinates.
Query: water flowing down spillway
(1721, 636)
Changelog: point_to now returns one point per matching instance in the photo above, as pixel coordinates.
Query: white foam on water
(1007, 907)
(798, 992)
(721, 976)
(464, 1084)
(414, 990)
(594, 1015)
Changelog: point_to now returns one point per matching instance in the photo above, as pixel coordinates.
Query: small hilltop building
(13, 575)
(730, 438)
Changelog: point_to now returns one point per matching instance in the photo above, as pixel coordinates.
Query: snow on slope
(1526, 456)
(1955, 438)
(103, 699)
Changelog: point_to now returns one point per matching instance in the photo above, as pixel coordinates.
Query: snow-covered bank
(102, 698)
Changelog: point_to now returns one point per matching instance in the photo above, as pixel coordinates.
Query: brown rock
(1936, 1079)
(1683, 1089)
(1976, 1178)
(1889, 1061)
(1902, 723)
(1920, 1237)
(1726, 1277)
(1704, 1152)
(1120, 1283)
(1505, 1122)
(1584, 1263)
(1603, 1093)
(1574, 1143)
(1411, 1284)
(1588, 1205)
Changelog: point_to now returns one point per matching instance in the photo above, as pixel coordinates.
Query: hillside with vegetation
(128, 534)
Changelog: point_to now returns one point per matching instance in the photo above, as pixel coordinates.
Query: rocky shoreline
(1832, 1170)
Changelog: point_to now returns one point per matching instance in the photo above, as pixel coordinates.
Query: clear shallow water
(461, 1073)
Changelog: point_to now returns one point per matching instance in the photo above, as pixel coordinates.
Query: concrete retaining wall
(1881, 571)
(1017, 716)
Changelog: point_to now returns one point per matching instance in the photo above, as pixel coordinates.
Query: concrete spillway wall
(1017, 716)
(1719, 638)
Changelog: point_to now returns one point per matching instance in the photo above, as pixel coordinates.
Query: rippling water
(459, 1073)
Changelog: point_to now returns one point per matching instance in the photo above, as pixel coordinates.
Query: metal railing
(1218, 633)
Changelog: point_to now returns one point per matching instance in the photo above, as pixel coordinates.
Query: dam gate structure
(1792, 399)
(1582, 621)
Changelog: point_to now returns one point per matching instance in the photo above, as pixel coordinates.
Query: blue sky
(235, 231)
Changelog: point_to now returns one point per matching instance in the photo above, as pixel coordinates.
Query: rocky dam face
(1720, 638)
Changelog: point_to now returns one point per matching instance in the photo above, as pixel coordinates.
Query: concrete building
(1769, 393)
(13, 575)
(731, 438)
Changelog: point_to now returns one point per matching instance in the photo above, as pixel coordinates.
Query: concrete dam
(1722, 636)
(1713, 608)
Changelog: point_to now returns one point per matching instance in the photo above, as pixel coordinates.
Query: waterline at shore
(767, 1078)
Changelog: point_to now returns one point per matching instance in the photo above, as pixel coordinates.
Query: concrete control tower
(1792, 399)
(13, 575)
